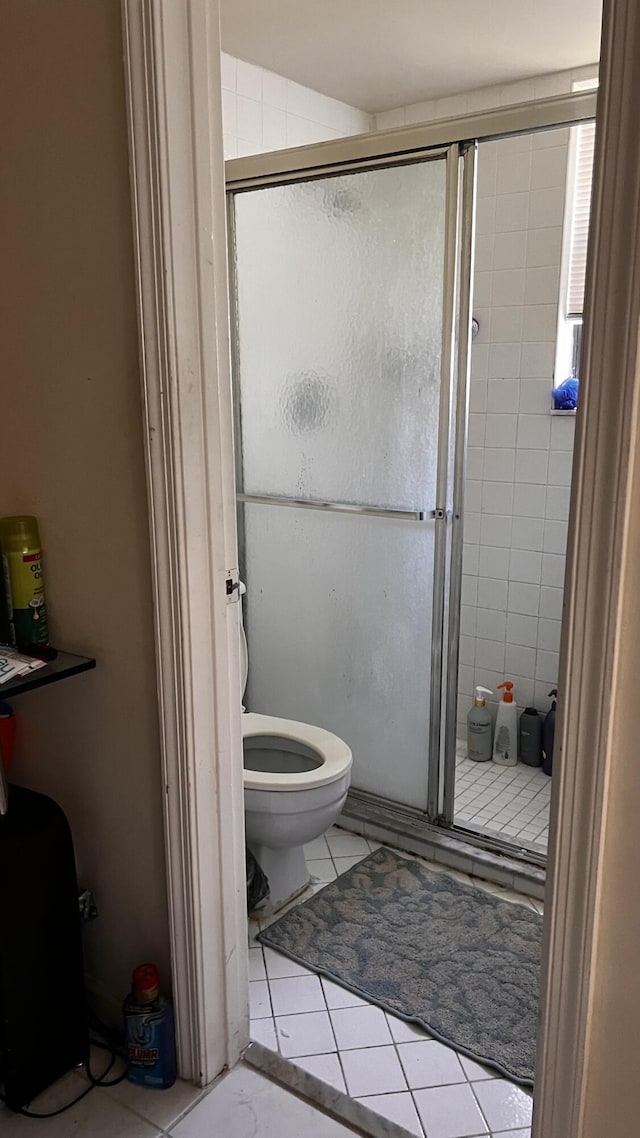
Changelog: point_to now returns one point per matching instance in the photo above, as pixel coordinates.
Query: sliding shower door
(343, 343)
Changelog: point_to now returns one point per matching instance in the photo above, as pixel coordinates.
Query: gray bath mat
(432, 950)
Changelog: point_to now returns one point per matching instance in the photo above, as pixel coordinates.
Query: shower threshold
(478, 854)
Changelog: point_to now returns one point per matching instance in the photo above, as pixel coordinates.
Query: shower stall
(351, 290)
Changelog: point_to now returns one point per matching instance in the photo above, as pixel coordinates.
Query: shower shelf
(553, 411)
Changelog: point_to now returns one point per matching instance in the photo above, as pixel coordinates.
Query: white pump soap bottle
(505, 740)
(479, 728)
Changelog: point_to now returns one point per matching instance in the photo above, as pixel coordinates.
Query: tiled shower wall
(263, 111)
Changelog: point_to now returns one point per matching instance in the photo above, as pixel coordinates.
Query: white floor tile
(163, 1109)
(246, 1105)
(324, 1067)
(342, 864)
(504, 1105)
(475, 1071)
(259, 1002)
(297, 994)
(99, 1115)
(450, 1112)
(398, 1108)
(338, 997)
(264, 1031)
(430, 1064)
(360, 1027)
(405, 1032)
(317, 848)
(372, 1070)
(279, 966)
(322, 870)
(306, 1034)
(346, 845)
(256, 964)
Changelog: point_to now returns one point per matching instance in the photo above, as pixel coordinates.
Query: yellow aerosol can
(24, 580)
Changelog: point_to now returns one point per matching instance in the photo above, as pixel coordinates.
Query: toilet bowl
(296, 779)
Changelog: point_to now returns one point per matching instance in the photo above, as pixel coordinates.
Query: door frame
(172, 68)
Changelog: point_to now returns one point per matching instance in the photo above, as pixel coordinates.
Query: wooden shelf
(65, 664)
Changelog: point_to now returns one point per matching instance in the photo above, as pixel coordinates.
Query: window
(575, 240)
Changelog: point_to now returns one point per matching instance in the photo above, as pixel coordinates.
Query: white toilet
(296, 779)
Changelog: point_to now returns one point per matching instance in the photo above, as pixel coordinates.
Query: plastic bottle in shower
(479, 728)
(505, 740)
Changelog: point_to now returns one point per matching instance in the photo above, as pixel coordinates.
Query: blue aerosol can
(149, 1030)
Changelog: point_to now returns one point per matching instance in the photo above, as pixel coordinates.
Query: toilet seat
(333, 753)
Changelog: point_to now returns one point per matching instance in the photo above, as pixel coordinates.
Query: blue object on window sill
(565, 397)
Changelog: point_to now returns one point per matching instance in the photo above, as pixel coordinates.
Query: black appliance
(43, 1026)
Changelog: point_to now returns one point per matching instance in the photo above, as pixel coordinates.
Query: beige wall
(72, 453)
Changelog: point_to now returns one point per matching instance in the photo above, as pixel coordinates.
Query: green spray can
(24, 580)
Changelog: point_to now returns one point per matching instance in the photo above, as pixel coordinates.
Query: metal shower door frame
(439, 512)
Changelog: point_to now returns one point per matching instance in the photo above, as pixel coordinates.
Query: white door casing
(172, 65)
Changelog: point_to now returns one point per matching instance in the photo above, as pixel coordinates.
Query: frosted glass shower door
(338, 329)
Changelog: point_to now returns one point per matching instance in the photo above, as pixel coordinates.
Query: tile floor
(394, 1068)
(509, 802)
(243, 1104)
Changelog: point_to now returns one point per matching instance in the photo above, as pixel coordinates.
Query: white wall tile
(499, 464)
(560, 463)
(553, 570)
(492, 593)
(506, 325)
(538, 362)
(228, 71)
(484, 252)
(486, 216)
(420, 112)
(520, 661)
(468, 619)
(482, 289)
(558, 502)
(513, 173)
(527, 533)
(532, 465)
(520, 92)
(478, 396)
(490, 654)
(544, 246)
(274, 128)
(511, 212)
(475, 462)
(230, 142)
(508, 287)
(503, 396)
(467, 650)
(546, 86)
(547, 666)
(483, 99)
(549, 634)
(500, 430)
(496, 497)
(229, 116)
(535, 396)
(476, 430)
(533, 432)
(546, 208)
(549, 168)
(472, 528)
(493, 562)
(386, 120)
(555, 537)
(469, 590)
(483, 316)
(470, 556)
(525, 566)
(487, 170)
(249, 118)
(540, 322)
(529, 500)
(551, 602)
(509, 250)
(249, 80)
(473, 495)
(542, 285)
(479, 355)
(495, 529)
(522, 630)
(524, 599)
(491, 624)
(562, 431)
(274, 90)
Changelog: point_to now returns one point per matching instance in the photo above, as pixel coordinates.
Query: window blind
(580, 218)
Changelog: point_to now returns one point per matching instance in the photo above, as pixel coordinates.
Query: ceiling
(379, 54)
